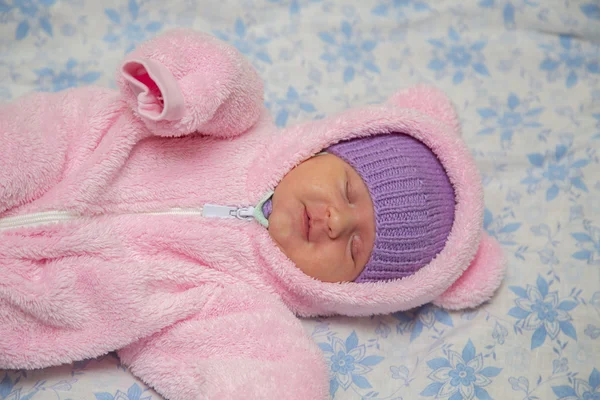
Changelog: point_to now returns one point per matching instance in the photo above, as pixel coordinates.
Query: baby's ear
(428, 100)
(479, 282)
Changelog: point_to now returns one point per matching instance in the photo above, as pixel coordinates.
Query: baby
(172, 222)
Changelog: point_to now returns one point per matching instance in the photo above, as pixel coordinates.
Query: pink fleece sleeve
(43, 136)
(246, 345)
(186, 81)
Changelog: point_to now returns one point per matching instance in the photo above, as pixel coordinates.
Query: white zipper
(50, 217)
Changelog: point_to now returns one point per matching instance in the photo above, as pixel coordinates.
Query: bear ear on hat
(479, 281)
(428, 100)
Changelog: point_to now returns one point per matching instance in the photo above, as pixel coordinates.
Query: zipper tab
(215, 211)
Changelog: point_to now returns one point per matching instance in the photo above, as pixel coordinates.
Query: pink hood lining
(307, 296)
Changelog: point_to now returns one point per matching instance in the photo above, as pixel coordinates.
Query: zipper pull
(216, 211)
(246, 213)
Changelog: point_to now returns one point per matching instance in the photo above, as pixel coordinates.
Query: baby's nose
(339, 222)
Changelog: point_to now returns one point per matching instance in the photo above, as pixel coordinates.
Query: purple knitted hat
(413, 199)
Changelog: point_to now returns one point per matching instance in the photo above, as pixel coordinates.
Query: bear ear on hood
(479, 281)
(428, 100)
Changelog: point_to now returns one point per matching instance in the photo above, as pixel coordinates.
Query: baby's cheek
(328, 265)
(281, 228)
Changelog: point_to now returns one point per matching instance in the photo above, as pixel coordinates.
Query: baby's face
(323, 219)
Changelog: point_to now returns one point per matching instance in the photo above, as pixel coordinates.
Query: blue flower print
(10, 391)
(560, 365)
(295, 5)
(460, 376)
(342, 363)
(519, 384)
(581, 389)
(425, 317)
(592, 331)
(597, 118)
(557, 169)
(383, 329)
(292, 104)
(133, 393)
(6, 387)
(595, 301)
(130, 26)
(73, 74)
(458, 57)
(32, 16)
(499, 333)
(540, 311)
(569, 59)
(401, 373)
(508, 118)
(589, 242)
(247, 43)
(400, 6)
(591, 10)
(498, 227)
(348, 363)
(509, 9)
(346, 49)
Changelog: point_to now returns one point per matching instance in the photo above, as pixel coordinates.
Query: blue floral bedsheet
(525, 77)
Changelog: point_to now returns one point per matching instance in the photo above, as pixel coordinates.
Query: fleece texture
(135, 268)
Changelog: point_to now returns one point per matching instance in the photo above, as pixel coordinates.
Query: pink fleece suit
(104, 245)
